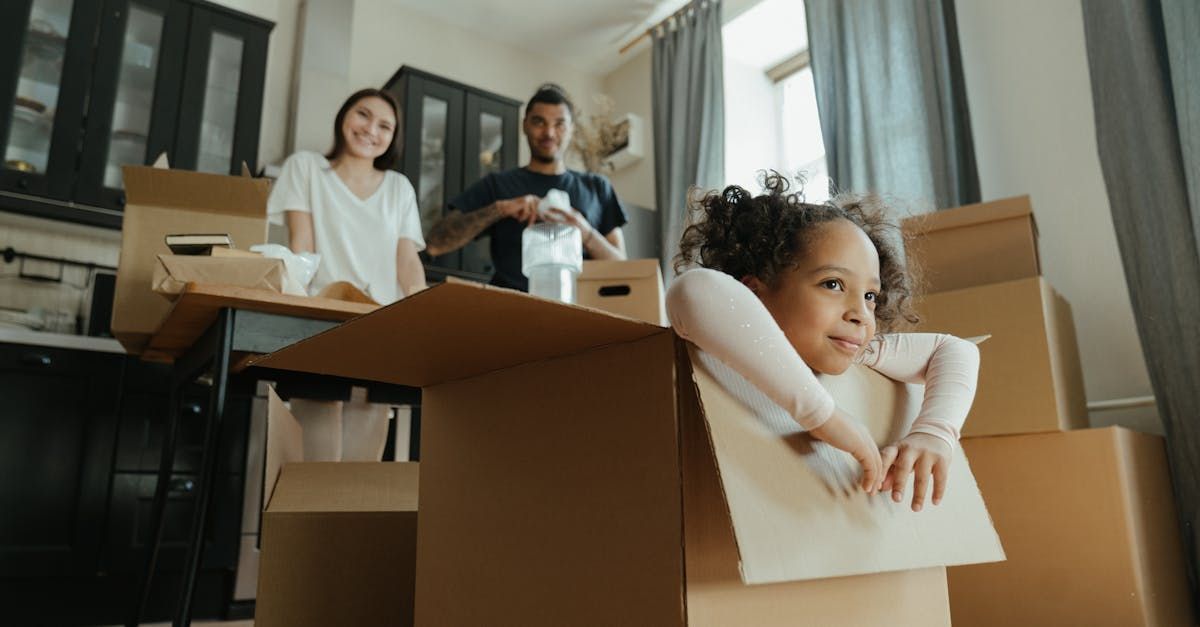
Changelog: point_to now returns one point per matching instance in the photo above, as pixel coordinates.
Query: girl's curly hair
(765, 236)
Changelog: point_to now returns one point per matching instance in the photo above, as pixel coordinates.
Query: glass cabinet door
(133, 104)
(491, 139)
(41, 108)
(433, 151)
(219, 113)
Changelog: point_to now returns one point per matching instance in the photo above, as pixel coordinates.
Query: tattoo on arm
(457, 229)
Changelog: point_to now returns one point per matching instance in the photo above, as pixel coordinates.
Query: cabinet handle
(181, 485)
(37, 360)
(192, 408)
(23, 182)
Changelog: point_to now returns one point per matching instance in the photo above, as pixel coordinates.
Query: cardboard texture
(628, 288)
(160, 202)
(1090, 528)
(1030, 378)
(975, 244)
(174, 272)
(338, 539)
(564, 479)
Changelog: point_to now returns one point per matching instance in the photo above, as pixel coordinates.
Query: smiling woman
(351, 208)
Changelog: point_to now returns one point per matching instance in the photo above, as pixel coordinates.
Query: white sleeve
(725, 319)
(947, 365)
(410, 214)
(290, 192)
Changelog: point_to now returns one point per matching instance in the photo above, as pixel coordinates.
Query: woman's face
(368, 128)
(826, 304)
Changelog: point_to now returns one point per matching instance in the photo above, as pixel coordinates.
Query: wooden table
(206, 328)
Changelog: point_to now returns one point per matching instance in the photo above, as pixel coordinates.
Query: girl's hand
(921, 455)
(845, 433)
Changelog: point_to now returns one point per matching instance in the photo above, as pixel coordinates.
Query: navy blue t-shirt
(591, 194)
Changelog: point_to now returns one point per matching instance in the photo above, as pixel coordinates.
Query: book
(197, 243)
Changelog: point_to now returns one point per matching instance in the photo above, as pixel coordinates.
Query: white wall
(1030, 100)
(629, 88)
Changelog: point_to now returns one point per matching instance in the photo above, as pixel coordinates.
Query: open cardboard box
(160, 202)
(1029, 378)
(577, 469)
(339, 539)
(975, 244)
(632, 288)
(1091, 531)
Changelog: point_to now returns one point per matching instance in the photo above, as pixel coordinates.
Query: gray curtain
(688, 101)
(892, 99)
(1146, 91)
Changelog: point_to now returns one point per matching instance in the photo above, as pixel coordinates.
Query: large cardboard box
(580, 468)
(339, 539)
(1029, 379)
(975, 244)
(1090, 529)
(160, 202)
(629, 288)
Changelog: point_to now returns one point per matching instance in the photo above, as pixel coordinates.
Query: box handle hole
(615, 290)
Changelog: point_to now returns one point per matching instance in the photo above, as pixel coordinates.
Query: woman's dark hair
(552, 94)
(389, 156)
(765, 236)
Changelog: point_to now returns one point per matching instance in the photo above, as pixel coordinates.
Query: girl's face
(826, 305)
(368, 128)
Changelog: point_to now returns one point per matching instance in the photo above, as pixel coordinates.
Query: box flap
(967, 215)
(211, 193)
(346, 487)
(454, 331)
(794, 507)
(285, 443)
(606, 270)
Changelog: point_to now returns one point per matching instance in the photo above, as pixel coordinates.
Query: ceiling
(586, 34)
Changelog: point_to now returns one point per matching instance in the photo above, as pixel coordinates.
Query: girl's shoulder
(306, 159)
(398, 182)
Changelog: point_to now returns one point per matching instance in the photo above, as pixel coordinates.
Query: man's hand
(521, 208)
(573, 218)
(845, 433)
(923, 456)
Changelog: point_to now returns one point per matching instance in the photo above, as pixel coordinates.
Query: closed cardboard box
(631, 288)
(583, 469)
(1029, 379)
(161, 202)
(975, 244)
(1090, 529)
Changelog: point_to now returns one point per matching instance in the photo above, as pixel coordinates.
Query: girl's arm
(410, 274)
(725, 319)
(300, 231)
(947, 365)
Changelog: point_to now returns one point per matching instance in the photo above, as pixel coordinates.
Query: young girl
(787, 289)
(351, 207)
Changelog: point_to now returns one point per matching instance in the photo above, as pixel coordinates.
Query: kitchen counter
(60, 340)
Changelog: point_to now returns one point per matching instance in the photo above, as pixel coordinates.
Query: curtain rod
(662, 22)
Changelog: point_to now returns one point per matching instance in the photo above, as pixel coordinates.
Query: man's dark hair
(552, 94)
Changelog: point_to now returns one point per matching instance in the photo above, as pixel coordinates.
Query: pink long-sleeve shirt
(724, 318)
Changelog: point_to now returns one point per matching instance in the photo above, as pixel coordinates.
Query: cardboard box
(160, 202)
(174, 272)
(338, 538)
(1090, 529)
(975, 244)
(629, 288)
(1029, 379)
(576, 469)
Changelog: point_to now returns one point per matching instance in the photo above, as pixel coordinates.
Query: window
(771, 120)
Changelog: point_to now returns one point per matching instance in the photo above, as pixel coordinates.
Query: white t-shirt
(356, 238)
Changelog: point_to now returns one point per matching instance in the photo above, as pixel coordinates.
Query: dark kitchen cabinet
(454, 134)
(87, 86)
(56, 441)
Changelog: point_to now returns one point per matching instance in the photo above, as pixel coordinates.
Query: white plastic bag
(301, 267)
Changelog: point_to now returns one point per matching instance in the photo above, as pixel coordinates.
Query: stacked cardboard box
(1085, 515)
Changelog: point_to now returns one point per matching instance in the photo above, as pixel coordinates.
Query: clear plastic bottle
(552, 256)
